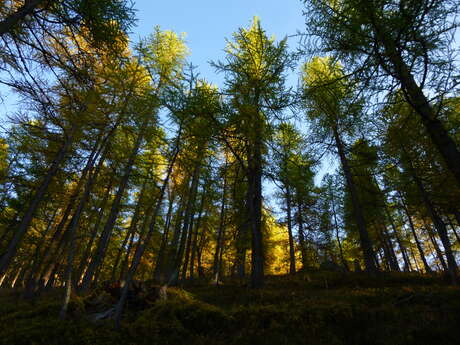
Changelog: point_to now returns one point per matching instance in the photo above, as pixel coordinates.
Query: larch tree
(255, 67)
(409, 43)
(334, 108)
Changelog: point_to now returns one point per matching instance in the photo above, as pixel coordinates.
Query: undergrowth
(308, 308)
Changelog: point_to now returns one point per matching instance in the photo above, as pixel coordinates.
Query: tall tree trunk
(189, 213)
(220, 233)
(68, 273)
(414, 95)
(131, 230)
(59, 233)
(254, 204)
(29, 286)
(113, 215)
(292, 269)
(365, 241)
(35, 202)
(336, 225)
(412, 228)
(438, 224)
(407, 265)
(160, 262)
(436, 248)
(394, 260)
(187, 250)
(92, 238)
(195, 236)
(140, 249)
(303, 247)
(172, 248)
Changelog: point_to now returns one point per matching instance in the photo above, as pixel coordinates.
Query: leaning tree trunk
(407, 265)
(131, 230)
(438, 223)
(365, 241)
(35, 202)
(436, 247)
(68, 273)
(115, 209)
(414, 95)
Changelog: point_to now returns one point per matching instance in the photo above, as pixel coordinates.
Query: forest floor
(308, 308)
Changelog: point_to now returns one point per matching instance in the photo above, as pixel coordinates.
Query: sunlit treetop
(164, 54)
(255, 62)
(329, 96)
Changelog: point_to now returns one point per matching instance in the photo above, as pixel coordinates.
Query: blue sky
(207, 23)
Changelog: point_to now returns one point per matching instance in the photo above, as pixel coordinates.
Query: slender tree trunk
(92, 238)
(417, 242)
(30, 287)
(189, 212)
(336, 225)
(303, 248)
(195, 236)
(35, 202)
(131, 230)
(172, 249)
(187, 251)
(113, 215)
(436, 248)
(414, 95)
(394, 260)
(254, 203)
(159, 267)
(68, 273)
(292, 269)
(439, 225)
(220, 232)
(365, 241)
(407, 265)
(140, 249)
(59, 234)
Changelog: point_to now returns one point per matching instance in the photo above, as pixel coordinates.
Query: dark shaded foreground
(314, 308)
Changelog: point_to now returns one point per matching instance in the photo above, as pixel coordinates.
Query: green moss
(349, 309)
